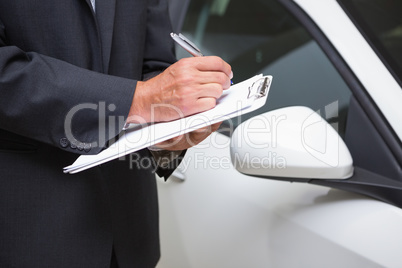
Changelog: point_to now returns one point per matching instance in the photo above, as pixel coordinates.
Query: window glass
(261, 36)
(381, 23)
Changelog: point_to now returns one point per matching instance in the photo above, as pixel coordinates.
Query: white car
(332, 125)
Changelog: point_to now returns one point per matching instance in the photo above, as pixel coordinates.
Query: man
(105, 61)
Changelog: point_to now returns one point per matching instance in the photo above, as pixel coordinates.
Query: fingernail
(231, 75)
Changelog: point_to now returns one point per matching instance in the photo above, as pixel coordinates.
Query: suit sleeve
(57, 103)
(159, 48)
(155, 55)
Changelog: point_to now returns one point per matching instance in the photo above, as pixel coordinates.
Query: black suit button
(73, 145)
(64, 142)
(80, 146)
(87, 147)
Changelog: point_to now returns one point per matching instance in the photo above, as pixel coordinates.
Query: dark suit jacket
(61, 62)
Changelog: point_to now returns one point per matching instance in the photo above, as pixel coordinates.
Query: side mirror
(292, 142)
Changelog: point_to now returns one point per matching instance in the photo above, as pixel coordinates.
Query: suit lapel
(104, 16)
(89, 3)
(105, 13)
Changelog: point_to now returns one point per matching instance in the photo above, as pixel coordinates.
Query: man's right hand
(189, 86)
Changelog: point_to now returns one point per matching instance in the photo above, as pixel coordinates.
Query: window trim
(360, 93)
(370, 37)
(363, 181)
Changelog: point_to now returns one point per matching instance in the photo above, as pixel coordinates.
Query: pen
(186, 44)
(189, 46)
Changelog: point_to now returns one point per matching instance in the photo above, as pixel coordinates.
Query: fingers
(206, 70)
(204, 132)
(209, 90)
(203, 104)
(188, 140)
(215, 77)
(190, 86)
(199, 83)
(213, 63)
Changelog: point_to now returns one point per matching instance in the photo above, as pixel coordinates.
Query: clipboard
(239, 99)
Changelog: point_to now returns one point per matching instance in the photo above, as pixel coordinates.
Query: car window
(261, 36)
(381, 23)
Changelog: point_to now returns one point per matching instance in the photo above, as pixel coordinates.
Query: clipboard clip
(259, 88)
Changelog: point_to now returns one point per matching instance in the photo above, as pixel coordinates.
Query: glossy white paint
(220, 218)
(213, 216)
(364, 62)
(292, 142)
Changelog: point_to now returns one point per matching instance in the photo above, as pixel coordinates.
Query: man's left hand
(188, 140)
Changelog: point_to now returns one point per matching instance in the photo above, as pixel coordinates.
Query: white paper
(234, 101)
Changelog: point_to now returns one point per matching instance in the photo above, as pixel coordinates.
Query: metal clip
(259, 88)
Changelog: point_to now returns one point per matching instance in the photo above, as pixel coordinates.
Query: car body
(341, 59)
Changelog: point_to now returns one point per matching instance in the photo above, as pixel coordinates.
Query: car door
(218, 217)
(264, 37)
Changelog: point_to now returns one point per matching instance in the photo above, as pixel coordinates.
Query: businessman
(70, 70)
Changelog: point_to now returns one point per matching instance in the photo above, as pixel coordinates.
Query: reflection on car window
(381, 22)
(261, 36)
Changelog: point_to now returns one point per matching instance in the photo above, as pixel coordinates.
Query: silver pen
(186, 44)
(189, 46)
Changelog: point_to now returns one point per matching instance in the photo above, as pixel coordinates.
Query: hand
(188, 140)
(187, 87)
